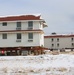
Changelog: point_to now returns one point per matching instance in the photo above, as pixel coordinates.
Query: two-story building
(21, 34)
(55, 41)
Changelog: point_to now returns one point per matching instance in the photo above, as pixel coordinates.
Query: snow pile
(62, 64)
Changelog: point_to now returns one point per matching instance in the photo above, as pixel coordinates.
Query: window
(18, 35)
(52, 45)
(52, 39)
(71, 39)
(30, 25)
(30, 35)
(19, 24)
(72, 44)
(4, 23)
(57, 39)
(4, 36)
(58, 45)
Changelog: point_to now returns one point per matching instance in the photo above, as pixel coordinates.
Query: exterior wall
(41, 38)
(64, 42)
(41, 26)
(11, 40)
(24, 25)
(38, 37)
(10, 26)
(47, 42)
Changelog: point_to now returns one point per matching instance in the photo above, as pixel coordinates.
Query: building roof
(58, 36)
(22, 17)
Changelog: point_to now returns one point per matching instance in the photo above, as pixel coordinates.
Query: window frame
(72, 44)
(52, 39)
(19, 36)
(72, 39)
(18, 24)
(4, 36)
(57, 44)
(4, 24)
(30, 24)
(57, 39)
(52, 45)
(30, 35)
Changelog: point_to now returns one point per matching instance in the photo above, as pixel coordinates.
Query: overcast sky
(58, 14)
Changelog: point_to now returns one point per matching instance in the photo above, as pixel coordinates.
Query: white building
(55, 41)
(21, 32)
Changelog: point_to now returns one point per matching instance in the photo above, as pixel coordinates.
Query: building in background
(55, 41)
(20, 35)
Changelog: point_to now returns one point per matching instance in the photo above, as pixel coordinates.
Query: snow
(62, 64)
(36, 14)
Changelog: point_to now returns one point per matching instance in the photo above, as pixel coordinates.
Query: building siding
(11, 31)
(64, 42)
(24, 26)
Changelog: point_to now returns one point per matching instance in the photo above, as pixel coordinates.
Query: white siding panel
(64, 42)
(24, 25)
(38, 39)
(10, 26)
(11, 40)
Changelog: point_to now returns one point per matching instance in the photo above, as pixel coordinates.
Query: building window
(19, 24)
(72, 44)
(58, 45)
(52, 45)
(71, 39)
(30, 35)
(4, 36)
(4, 23)
(18, 35)
(57, 39)
(30, 25)
(52, 39)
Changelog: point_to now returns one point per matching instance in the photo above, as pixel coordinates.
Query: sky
(58, 14)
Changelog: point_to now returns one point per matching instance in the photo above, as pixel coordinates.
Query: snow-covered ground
(62, 64)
